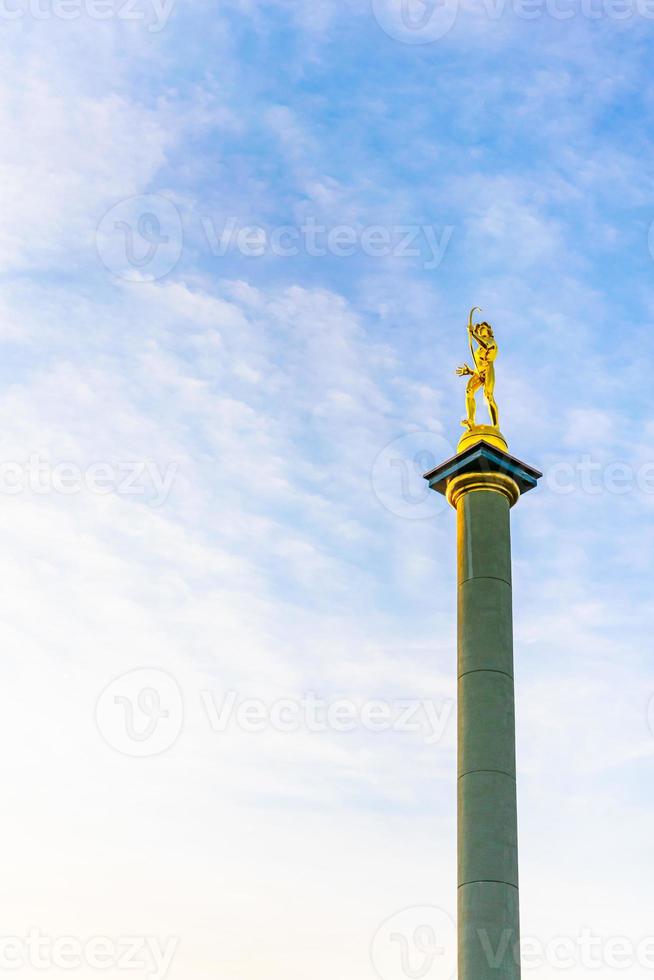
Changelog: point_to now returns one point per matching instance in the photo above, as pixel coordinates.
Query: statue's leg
(489, 395)
(472, 387)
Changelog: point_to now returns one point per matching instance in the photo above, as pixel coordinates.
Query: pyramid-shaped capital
(483, 467)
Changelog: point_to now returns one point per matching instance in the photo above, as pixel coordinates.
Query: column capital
(483, 467)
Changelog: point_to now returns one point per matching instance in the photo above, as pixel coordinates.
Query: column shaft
(487, 815)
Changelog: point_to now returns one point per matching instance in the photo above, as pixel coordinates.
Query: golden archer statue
(484, 375)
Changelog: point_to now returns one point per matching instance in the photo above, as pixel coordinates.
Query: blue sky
(256, 415)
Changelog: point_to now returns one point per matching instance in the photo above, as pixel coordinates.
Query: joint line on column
(495, 578)
(487, 881)
(486, 670)
(503, 772)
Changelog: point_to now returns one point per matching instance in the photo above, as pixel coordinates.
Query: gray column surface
(487, 821)
(482, 482)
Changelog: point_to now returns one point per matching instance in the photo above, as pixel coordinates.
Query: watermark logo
(141, 239)
(416, 21)
(398, 474)
(141, 713)
(417, 943)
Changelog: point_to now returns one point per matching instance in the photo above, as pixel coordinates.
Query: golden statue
(483, 376)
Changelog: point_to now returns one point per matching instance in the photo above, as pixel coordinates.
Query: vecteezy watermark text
(38, 951)
(587, 951)
(591, 476)
(141, 713)
(426, 21)
(421, 942)
(141, 239)
(143, 478)
(312, 713)
(153, 13)
(318, 240)
(397, 475)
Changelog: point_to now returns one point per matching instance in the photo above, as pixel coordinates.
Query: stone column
(483, 483)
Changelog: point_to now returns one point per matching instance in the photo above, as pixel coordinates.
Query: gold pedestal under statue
(482, 433)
